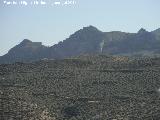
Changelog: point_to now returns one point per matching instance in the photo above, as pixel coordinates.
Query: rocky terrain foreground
(81, 88)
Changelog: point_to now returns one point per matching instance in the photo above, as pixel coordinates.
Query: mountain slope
(26, 51)
(88, 40)
(131, 44)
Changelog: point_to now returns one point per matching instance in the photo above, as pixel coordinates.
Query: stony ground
(81, 88)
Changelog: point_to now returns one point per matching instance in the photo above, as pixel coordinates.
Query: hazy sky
(50, 24)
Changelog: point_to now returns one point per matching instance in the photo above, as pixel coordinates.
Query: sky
(53, 22)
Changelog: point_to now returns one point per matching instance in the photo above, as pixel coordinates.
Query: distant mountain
(88, 40)
(141, 43)
(157, 33)
(25, 51)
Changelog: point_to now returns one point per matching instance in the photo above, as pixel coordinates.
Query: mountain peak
(26, 41)
(29, 43)
(89, 30)
(90, 27)
(142, 30)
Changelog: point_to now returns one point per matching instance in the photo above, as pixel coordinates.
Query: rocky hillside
(25, 51)
(96, 87)
(88, 40)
